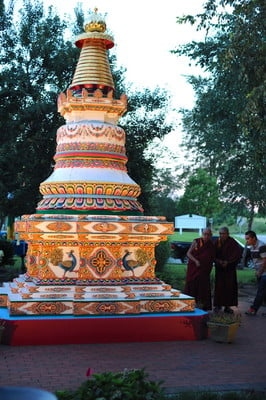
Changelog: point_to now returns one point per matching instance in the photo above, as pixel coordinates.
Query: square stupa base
(103, 329)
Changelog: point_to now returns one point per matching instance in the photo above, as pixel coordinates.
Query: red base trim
(44, 331)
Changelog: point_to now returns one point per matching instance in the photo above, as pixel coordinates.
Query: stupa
(90, 262)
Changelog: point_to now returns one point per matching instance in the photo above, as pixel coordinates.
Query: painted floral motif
(89, 130)
(91, 163)
(81, 146)
(89, 203)
(105, 296)
(57, 289)
(59, 226)
(53, 296)
(90, 188)
(145, 228)
(104, 227)
(101, 262)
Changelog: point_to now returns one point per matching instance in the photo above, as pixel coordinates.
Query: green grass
(175, 275)
(190, 236)
(185, 237)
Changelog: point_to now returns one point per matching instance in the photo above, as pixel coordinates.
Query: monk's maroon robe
(226, 290)
(198, 278)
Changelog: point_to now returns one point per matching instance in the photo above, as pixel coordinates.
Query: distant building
(190, 221)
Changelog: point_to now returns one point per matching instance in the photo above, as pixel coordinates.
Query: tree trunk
(251, 217)
(10, 227)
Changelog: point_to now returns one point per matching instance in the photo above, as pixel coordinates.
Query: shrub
(7, 248)
(126, 385)
(224, 318)
(7, 271)
(162, 253)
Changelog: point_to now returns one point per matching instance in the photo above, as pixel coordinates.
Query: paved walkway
(195, 365)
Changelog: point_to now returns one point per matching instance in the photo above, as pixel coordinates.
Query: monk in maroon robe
(200, 261)
(228, 255)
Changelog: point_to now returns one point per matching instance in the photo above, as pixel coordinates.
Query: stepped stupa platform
(91, 251)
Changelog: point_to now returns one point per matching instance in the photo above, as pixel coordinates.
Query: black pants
(261, 293)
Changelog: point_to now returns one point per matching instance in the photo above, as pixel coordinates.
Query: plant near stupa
(224, 318)
(126, 385)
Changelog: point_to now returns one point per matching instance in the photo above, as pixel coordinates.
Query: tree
(35, 64)
(164, 192)
(201, 195)
(164, 205)
(226, 128)
(145, 121)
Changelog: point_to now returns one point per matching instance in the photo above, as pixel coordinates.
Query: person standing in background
(258, 255)
(227, 256)
(255, 244)
(200, 262)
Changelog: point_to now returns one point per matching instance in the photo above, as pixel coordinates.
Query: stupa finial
(96, 23)
(93, 70)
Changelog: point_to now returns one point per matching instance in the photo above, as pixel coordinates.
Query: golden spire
(97, 23)
(93, 69)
